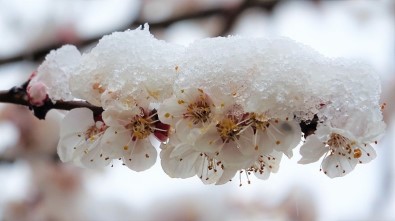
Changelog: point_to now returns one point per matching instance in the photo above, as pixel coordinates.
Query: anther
(357, 153)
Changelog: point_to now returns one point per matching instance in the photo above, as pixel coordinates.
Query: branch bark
(17, 95)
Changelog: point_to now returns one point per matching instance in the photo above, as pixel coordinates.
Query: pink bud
(37, 93)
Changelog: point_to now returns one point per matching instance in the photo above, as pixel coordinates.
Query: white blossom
(81, 139)
(266, 164)
(191, 105)
(128, 135)
(214, 138)
(275, 134)
(343, 148)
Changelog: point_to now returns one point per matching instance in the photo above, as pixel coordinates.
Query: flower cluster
(214, 137)
(218, 107)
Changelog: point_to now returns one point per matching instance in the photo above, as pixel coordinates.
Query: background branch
(230, 15)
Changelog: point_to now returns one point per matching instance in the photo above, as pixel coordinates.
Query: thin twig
(18, 96)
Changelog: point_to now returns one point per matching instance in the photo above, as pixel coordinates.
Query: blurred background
(34, 185)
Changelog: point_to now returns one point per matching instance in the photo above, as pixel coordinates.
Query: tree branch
(18, 95)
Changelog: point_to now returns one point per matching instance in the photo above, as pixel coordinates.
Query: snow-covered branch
(217, 108)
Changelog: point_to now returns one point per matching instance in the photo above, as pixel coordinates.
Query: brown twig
(231, 15)
(17, 95)
(309, 128)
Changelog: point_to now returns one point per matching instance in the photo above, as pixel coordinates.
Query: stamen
(240, 184)
(248, 179)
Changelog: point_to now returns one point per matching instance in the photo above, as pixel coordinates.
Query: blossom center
(199, 111)
(259, 122)
(98, 87)
(140, 127)
(337, 141)
(91, 132)
(229, 129)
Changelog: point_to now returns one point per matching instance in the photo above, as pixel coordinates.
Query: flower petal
(65, 150)
(263, 142)
(367, 153)
(274, 161)
(226, 176)
(190, 95)
(114, 117)
(286, 135)
(180, 166)
(76, 121)
(209, 141)
(142, 157)
(231, 157)
(312, 150)
(94, 158)
(247, 143)
(180, 149)
(170, 111)
(186, 132)
(263, 174)
(271, 164)
(337, 166)
(118, 142)
(208, 176)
